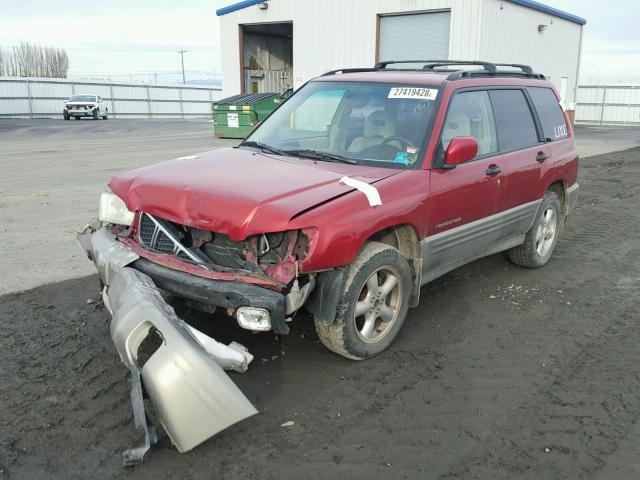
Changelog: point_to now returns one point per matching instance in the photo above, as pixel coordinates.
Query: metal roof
(525, 3)
(541, 7)
(238, 6)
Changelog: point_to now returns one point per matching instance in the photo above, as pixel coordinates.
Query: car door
(522, 149)
(466, 200)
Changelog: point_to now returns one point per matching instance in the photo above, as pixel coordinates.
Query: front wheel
(106, 114)
(65, 115)
(373, 306)
(541, 239)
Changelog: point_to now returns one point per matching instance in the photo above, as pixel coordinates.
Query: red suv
(359, 189)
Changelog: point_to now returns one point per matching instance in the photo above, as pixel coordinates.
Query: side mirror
(460, 150)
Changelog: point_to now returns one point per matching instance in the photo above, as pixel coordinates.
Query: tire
(65, 115)
(541, 239)
(77, 118)
(96, 114)
(106, 114)
(355, 337)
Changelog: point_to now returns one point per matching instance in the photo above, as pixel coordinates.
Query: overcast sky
(141, 37)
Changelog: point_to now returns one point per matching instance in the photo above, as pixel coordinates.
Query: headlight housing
(114, 210)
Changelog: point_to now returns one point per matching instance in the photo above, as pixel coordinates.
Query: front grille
(146, 229)
(167, 237)
(162, 236)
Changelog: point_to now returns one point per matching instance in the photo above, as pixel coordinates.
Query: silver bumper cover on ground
(192, 396)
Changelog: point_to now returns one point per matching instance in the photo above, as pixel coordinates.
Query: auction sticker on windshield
(415, 93)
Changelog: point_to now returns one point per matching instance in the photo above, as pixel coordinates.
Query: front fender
(346, 223)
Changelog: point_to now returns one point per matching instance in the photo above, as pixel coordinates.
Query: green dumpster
(235, 117)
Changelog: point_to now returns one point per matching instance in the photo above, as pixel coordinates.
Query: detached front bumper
(182, 371)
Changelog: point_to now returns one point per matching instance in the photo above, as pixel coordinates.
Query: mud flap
(192, 396)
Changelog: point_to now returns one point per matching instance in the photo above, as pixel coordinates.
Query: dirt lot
(500, 373)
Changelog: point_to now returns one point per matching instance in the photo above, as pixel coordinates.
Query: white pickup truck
(78, 106)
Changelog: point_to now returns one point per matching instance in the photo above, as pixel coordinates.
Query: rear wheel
(540, 241)
(373, 306)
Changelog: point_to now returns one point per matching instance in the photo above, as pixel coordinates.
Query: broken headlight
(114, 210)
(271, 248)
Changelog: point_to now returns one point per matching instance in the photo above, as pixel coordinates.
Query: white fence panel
(37, 97)
(51, 90)
(132, 92)
(14, 107)
(196, 94)
(159, 93)
(46, 107)
(165, 109)
(608, 104)
(12, 89)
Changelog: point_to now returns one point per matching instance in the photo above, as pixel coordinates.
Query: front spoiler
(183, 376)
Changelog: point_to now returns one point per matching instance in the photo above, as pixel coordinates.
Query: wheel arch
(405, 238)
(323, 301)
(558, 187)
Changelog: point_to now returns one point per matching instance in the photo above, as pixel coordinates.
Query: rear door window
(551, 117)
(514, 121)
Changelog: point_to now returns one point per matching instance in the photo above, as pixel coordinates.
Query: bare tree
(30, 60)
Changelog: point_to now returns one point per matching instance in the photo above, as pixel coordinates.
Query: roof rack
(488, 69)
(348, 70)
(432, 64)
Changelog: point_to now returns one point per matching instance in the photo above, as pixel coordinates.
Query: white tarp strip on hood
(369, 190)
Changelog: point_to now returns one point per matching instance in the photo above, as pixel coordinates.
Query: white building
(271, 45)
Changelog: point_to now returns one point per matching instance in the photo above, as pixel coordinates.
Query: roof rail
(348, 70)
(432, 64)
(525, 68)
(488, 69)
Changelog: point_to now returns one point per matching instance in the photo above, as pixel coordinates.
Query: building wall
(326, 37)
(509, 34)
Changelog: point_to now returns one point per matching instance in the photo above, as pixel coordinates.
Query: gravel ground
(500, 373)
(52, 174)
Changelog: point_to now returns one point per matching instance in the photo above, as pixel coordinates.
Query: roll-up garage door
(421, 36)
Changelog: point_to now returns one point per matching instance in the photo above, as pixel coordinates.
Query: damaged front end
(180, 367)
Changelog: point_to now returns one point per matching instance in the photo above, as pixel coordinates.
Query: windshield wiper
(308, 153)
(264, 147)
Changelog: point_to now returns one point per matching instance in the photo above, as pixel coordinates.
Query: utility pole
(182, 52)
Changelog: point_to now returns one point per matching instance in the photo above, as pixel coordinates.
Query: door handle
(493, 170)
(541, 157)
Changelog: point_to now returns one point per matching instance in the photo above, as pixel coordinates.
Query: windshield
(370, 123)
(82, 98)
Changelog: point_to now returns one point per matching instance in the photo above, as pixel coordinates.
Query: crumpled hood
(237, 192)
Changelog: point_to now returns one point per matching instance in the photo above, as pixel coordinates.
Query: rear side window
(514, 122)
(551, 117)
